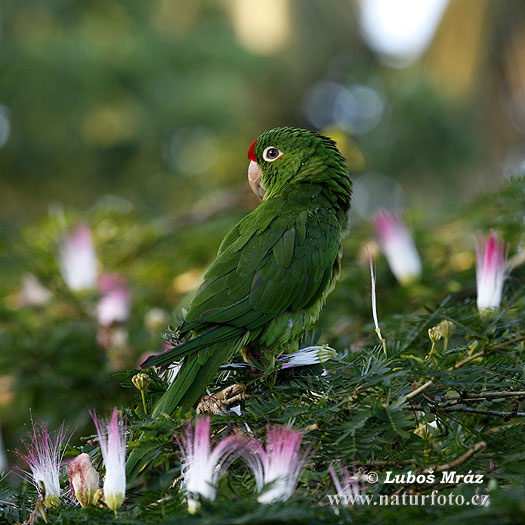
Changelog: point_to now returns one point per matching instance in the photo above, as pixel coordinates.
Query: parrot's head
(283, 157)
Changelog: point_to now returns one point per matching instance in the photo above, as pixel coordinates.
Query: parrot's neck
(319, 195)
(330, 178)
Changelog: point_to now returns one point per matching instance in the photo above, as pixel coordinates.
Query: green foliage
(353, 409)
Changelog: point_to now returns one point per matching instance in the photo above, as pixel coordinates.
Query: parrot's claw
(220, 402)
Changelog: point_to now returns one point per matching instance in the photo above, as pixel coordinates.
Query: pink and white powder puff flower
(83, 479)
(112, 439)
(491, 270)
(44, 458)
(114, 305)
(278, 466)
(347, 486)
(77, 260)
(398, 246)
(202, 466)
(310, 355)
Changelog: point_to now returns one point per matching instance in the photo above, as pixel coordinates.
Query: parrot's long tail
(193, 377)
(189, 384)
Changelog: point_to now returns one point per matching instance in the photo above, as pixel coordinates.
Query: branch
(380, 463)
(497, 413)
(505, 343)
(461, 459)
(450, 369)
(479, 396)
(474, 449)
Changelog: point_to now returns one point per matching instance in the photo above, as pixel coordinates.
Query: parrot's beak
(254, 178)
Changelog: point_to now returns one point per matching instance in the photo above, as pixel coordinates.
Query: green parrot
(273, 270)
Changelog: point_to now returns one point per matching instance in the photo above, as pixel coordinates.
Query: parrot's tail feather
(209, 338)
(182, 382)
(189, 384)
(195, 375)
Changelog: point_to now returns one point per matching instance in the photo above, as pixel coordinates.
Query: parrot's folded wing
(263, 268)
(286, 266)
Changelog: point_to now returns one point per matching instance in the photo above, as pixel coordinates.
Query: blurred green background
(157, 102)
(136, 117)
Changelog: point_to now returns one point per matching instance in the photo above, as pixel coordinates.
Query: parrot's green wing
(273, 261)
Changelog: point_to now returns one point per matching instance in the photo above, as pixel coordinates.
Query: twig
(461, 459)
(430, 382)
(446, 466)
(505, 343)
(459, 364)
(382, 463)
(36, 513)
(481, 395)
(461, 408)
(497, 413)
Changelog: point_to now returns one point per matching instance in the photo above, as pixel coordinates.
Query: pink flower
(398, 246)
(114, 305)
(348, 486)
(112, 439)
(77, 260)
(44, 458)
(491, 268)
(278, 466)
(202, 466)
(83, 479)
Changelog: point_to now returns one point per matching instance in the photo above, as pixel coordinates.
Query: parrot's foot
(251, 355)
(220, 402)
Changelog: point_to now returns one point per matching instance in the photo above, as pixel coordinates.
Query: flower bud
(83, 479)
(141, 381)
(446, 328)
(434, 334)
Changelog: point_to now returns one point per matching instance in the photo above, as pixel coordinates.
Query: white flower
(278, 466)
(491, 268)
(77, 260)
(83, 479)
(310, 355)
(112, 439)
(32, 292)
(114, 305)
(374, 302)
(398, 246)
(171, 372)
(44, 458)
(202, 466)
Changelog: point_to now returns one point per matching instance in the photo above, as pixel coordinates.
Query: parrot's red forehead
(251, 152)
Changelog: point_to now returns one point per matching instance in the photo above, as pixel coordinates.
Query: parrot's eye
(271, 153)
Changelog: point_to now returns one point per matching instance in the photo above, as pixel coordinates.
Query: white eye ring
(271, 153)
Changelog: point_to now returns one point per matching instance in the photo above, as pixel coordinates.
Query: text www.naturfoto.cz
(409, 499)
